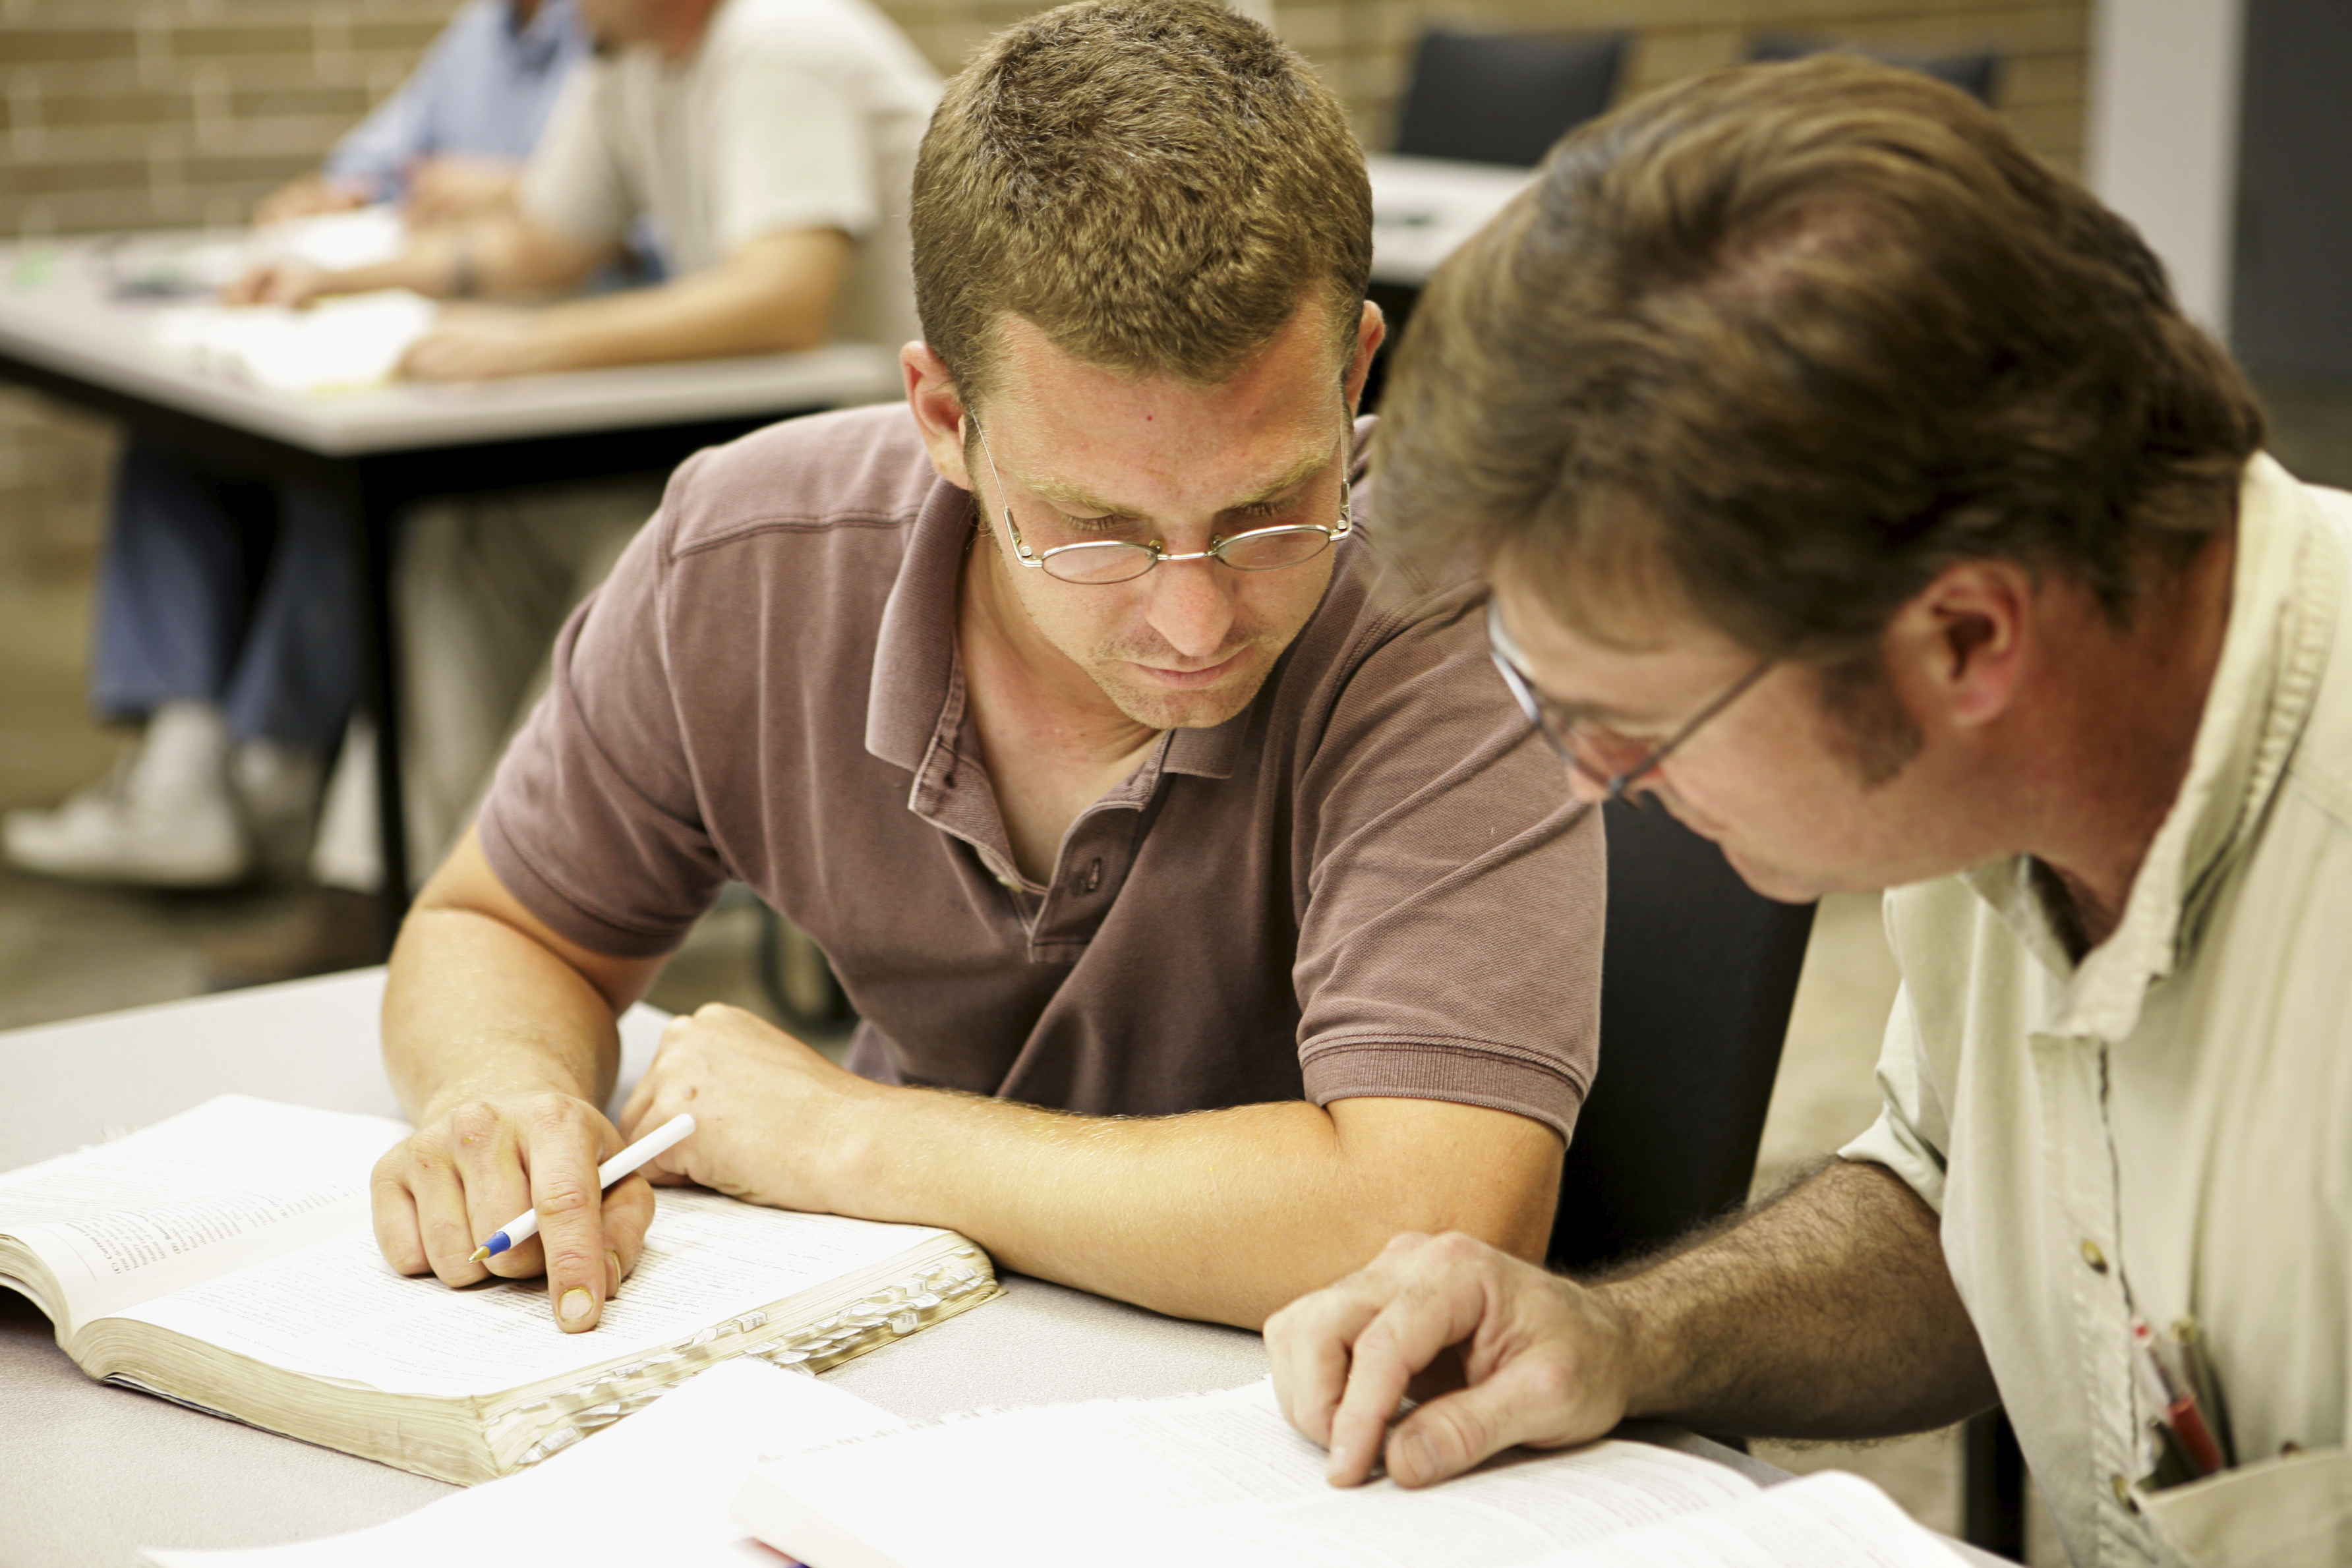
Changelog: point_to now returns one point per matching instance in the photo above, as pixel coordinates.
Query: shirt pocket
(2293, 1512)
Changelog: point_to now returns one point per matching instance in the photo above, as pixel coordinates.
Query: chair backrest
(1503, 98)
(1697, 974)
(1972, 74)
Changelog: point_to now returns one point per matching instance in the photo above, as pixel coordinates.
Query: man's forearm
(474, 1007)
(1219, 1214)
(500, 255)
(775, 295)
(1829, 1314)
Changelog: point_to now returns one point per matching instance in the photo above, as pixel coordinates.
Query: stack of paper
(342, 344)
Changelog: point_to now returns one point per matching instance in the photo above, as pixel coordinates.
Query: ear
(938, 411)
(1371, 330)
(1959, 647)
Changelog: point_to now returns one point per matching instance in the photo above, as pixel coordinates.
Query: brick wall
(120, 114)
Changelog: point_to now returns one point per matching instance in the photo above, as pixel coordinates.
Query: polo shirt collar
(914, 649)
(2286, 584)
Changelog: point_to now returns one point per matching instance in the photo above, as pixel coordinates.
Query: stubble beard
(1156, 707)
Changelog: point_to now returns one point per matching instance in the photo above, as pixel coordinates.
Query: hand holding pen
(530, 1155)
(660, 1141)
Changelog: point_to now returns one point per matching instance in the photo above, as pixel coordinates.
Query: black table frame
(373, 487)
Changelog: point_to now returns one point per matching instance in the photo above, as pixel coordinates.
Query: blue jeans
(223, 588)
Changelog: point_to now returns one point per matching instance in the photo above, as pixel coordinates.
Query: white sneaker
(163, 818)
(277, 788)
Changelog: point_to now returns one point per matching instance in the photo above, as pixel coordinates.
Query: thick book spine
(946, 1285)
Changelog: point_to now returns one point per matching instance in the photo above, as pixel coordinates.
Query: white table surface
(55, 312)
(1423, 207)
(89, 1473)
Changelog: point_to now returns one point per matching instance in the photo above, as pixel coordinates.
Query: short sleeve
(793, 151)
(1450, 947)
(379, 149)
(1913, 1129)
(593, 820)
(574, 182)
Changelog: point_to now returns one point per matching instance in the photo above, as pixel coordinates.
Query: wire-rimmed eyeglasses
(1570, 737)
(1105, 561)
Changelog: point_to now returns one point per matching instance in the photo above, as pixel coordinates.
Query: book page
(1220, 1477)
(1828, 1521)
(229, 1183)
(335, 1310)
(652, 1488)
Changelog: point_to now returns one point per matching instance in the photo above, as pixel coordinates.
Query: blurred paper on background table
(347, 343)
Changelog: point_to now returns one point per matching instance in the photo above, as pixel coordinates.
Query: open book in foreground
(1223, 1479)
(224, 1259)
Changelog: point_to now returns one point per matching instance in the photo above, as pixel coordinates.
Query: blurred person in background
(452, 141)
(771, 145)
(222, 623)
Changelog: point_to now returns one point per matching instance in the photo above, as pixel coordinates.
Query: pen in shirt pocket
(2197, 1366)
(2175, 1405)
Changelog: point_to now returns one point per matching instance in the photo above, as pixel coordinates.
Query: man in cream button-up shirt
(1850, 484)
(2160, 1132)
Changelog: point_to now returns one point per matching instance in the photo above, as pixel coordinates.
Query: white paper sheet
(1221, 1475)
(1828, 1521)
(347, 343)
(652, 1489)
(223, 1185)
(334, 1309)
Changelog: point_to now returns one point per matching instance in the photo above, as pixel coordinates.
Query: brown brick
(31, 179)
(349, 105)
(386, 35)
(40, 46)
(122, 106)
(214, 40)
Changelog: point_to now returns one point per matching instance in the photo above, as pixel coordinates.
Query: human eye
(1104, 527)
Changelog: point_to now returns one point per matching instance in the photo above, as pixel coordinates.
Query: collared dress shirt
(485, 89)
(2165, 1129)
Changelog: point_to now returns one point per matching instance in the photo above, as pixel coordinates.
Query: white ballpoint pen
(661, 1140)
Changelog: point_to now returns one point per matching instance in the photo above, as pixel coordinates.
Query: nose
(1192, 606)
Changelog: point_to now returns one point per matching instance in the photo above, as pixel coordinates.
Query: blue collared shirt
(483, 90)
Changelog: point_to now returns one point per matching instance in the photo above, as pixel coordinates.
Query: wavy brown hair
(1776, 345)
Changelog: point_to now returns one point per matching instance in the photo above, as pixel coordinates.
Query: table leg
(372, 512)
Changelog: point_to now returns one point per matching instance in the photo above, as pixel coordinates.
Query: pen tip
(480, 1253)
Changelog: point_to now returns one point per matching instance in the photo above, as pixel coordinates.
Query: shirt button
(2095, 1258)
(2124, 1497)
(1008, 882)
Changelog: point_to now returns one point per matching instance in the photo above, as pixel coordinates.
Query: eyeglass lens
(1261, 550)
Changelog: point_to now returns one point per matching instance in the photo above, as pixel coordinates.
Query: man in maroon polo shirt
(1208, 910)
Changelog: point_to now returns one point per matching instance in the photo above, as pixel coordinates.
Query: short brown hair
(1777, 344)
(1156, 184)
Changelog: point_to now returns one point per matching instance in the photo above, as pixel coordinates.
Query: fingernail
(612, 1267)
(1340, 1459)
(577, 1304)
(1419, 1453)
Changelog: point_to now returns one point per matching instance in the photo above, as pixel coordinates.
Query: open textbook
(1223, 1479)
(224, 1259)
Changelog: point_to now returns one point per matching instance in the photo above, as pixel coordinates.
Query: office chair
(1975, 75)
(1491, 97)
(1698, 973)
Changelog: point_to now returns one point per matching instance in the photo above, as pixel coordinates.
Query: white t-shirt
(789, 114)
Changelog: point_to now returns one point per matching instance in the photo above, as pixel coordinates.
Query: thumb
(1526, 1400)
